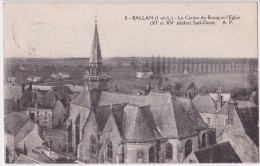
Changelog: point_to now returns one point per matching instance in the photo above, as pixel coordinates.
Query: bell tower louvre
(94, 80)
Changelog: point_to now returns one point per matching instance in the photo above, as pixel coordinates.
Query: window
(208, 120)
(109, 150)
(169, 151)
(152, 155)
(37, 113)
(93, 146)
(45, 113)
(188, 148)
(225, 121)
(203, 140)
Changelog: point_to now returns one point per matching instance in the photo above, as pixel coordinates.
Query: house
(206, 107)
(11, 97)
(12, 79)
(55, 76)
(225, 96)
(43, 89)
(144, 73)
(60, 139)
(23, 159)
(64, 75)
(34, 79)
(113, 127)
(218, 153)
(47, 116)
(21, 135)
(221, 119)
(242, 131)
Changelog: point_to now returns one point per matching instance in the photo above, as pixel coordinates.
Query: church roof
(175, 118)
(87, 98)
(139, 125)
(95, 55)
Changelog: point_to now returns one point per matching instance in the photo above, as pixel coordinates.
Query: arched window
(93, 146)
(188, 148)
(203, 145)
(109, 150)
(152, 155)
(169, 151)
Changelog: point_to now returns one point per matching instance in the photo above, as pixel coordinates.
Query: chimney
(221, 101)
(23, 87)
(56, 97)
(232, 104)
(30, 86)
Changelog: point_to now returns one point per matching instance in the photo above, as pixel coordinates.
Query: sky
(66, 30)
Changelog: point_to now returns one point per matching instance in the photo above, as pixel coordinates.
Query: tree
(24, 149)
(169, 63)
(158, 65)
(152, 65)
(163, 65)
(133, 63)
(188, 65)
(178, 86)
(146, 63)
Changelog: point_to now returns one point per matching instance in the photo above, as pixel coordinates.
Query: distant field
(227, 81)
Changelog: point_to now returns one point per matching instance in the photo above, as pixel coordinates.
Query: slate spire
(95, 55)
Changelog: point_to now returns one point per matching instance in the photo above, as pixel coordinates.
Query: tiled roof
(204, 104)
(223, 110)
(215, 96)
(191, 112)
(25, 130)
(218, 153)
(137, 127)
(14, 122)
(22, 159)
(87, 98)
(249, 118)
(245, 104)
(49, 98)
(107, 98)
(75, 88)
(38, 155)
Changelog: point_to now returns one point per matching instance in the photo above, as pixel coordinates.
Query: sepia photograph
(92, 83)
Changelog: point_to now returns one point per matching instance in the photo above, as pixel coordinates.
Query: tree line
(194, 65)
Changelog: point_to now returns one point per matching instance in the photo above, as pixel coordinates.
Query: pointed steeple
(95, 55)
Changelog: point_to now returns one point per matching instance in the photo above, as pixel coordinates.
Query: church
(113, 127)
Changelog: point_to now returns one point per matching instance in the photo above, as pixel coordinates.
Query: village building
(11, 96)
(35, 156)
(47, 116)
(12, 80)
(21, 135)
(218, 153)
(242, 131)
(206, 107)
(144, 73)
(34, 79)
(55, 76)
(64, 75)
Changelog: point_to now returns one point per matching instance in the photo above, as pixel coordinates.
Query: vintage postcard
(130, 83)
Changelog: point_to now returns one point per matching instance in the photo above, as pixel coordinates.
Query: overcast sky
(66, 30)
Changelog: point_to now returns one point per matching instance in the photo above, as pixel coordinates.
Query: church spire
(95, 55)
